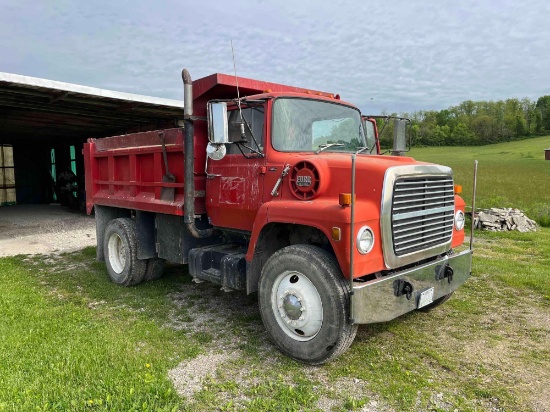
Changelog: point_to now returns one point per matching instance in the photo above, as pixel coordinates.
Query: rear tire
(155, 267)
(120, 252)
(304, 303)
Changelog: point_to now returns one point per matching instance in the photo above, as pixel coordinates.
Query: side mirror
(217, 123)
(399, 136)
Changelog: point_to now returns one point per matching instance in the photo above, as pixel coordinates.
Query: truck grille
(422, 213)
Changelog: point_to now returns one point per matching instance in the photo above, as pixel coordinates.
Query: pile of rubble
(500, 220)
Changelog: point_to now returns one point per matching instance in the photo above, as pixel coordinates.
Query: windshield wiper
(362, 148)
(326, 146)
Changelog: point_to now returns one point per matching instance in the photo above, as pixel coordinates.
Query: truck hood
(335, 172)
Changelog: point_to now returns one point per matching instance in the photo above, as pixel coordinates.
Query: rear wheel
(304, 303)
(155, 267)
(120, 252)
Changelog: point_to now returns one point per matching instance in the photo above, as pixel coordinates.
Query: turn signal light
(336, 233)
(344, 199)
(458, 189)
(267, 91)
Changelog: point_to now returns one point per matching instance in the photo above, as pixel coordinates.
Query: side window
(254, 117)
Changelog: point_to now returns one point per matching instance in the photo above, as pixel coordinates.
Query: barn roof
(33, 108)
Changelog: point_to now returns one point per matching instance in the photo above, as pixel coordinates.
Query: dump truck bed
(127, 171)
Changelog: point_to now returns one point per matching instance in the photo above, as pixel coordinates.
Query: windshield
(311, 126)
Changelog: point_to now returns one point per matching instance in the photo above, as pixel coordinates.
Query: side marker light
(344, 199)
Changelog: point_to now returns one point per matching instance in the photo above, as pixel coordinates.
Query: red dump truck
(282, 191)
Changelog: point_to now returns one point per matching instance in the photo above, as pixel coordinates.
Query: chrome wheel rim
(297, 306)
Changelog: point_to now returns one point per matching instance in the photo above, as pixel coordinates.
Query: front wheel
(304, 303)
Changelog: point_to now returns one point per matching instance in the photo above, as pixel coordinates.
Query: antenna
(243, 133)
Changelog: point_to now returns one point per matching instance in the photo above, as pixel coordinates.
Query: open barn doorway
(44, 124)
(7, 175)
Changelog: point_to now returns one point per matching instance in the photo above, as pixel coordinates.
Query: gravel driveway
(45, 229)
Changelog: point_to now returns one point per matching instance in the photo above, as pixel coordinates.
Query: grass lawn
(512, 174)
(70, 340)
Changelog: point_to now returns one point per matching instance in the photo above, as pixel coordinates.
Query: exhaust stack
(189, 147)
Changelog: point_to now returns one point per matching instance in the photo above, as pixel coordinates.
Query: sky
(383, 56)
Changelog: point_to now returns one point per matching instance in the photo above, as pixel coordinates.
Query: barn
(44, 123)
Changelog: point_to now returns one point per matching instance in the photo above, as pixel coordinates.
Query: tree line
(475, 123)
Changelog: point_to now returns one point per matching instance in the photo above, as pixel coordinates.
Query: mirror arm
(239, 144)
(253, 138)
(244, 140)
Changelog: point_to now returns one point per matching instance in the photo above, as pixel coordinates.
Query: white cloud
(393, 55)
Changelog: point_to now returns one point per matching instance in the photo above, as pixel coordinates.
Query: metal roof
(32, 109)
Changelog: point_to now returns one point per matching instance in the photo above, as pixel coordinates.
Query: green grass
(68, 342)
(72, 340)
(511, 174)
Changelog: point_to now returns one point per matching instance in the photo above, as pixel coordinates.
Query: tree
(478, 122)
(543, 106)
(462, 135)
(528, 108)
(484, 128)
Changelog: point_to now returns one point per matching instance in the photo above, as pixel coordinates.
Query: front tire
(304, 303)
(120, 252)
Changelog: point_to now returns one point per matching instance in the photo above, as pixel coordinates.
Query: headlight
(365, 240)
(459, 220)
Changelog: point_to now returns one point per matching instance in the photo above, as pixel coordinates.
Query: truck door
(234, 186)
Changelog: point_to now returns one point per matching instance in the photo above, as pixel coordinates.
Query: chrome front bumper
(376, 301)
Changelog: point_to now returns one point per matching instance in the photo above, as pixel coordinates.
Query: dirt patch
(348, 390)
(43, 229)
(495, 355)
(232, 320)
(511, 330)
(507, 346)
(188, 377)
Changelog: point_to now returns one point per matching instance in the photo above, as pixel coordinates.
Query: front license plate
(426, 297)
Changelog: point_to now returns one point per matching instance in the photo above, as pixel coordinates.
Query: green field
(511, 174)
(70, 340)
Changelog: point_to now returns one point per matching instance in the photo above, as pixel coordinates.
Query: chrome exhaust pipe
(189, 147)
